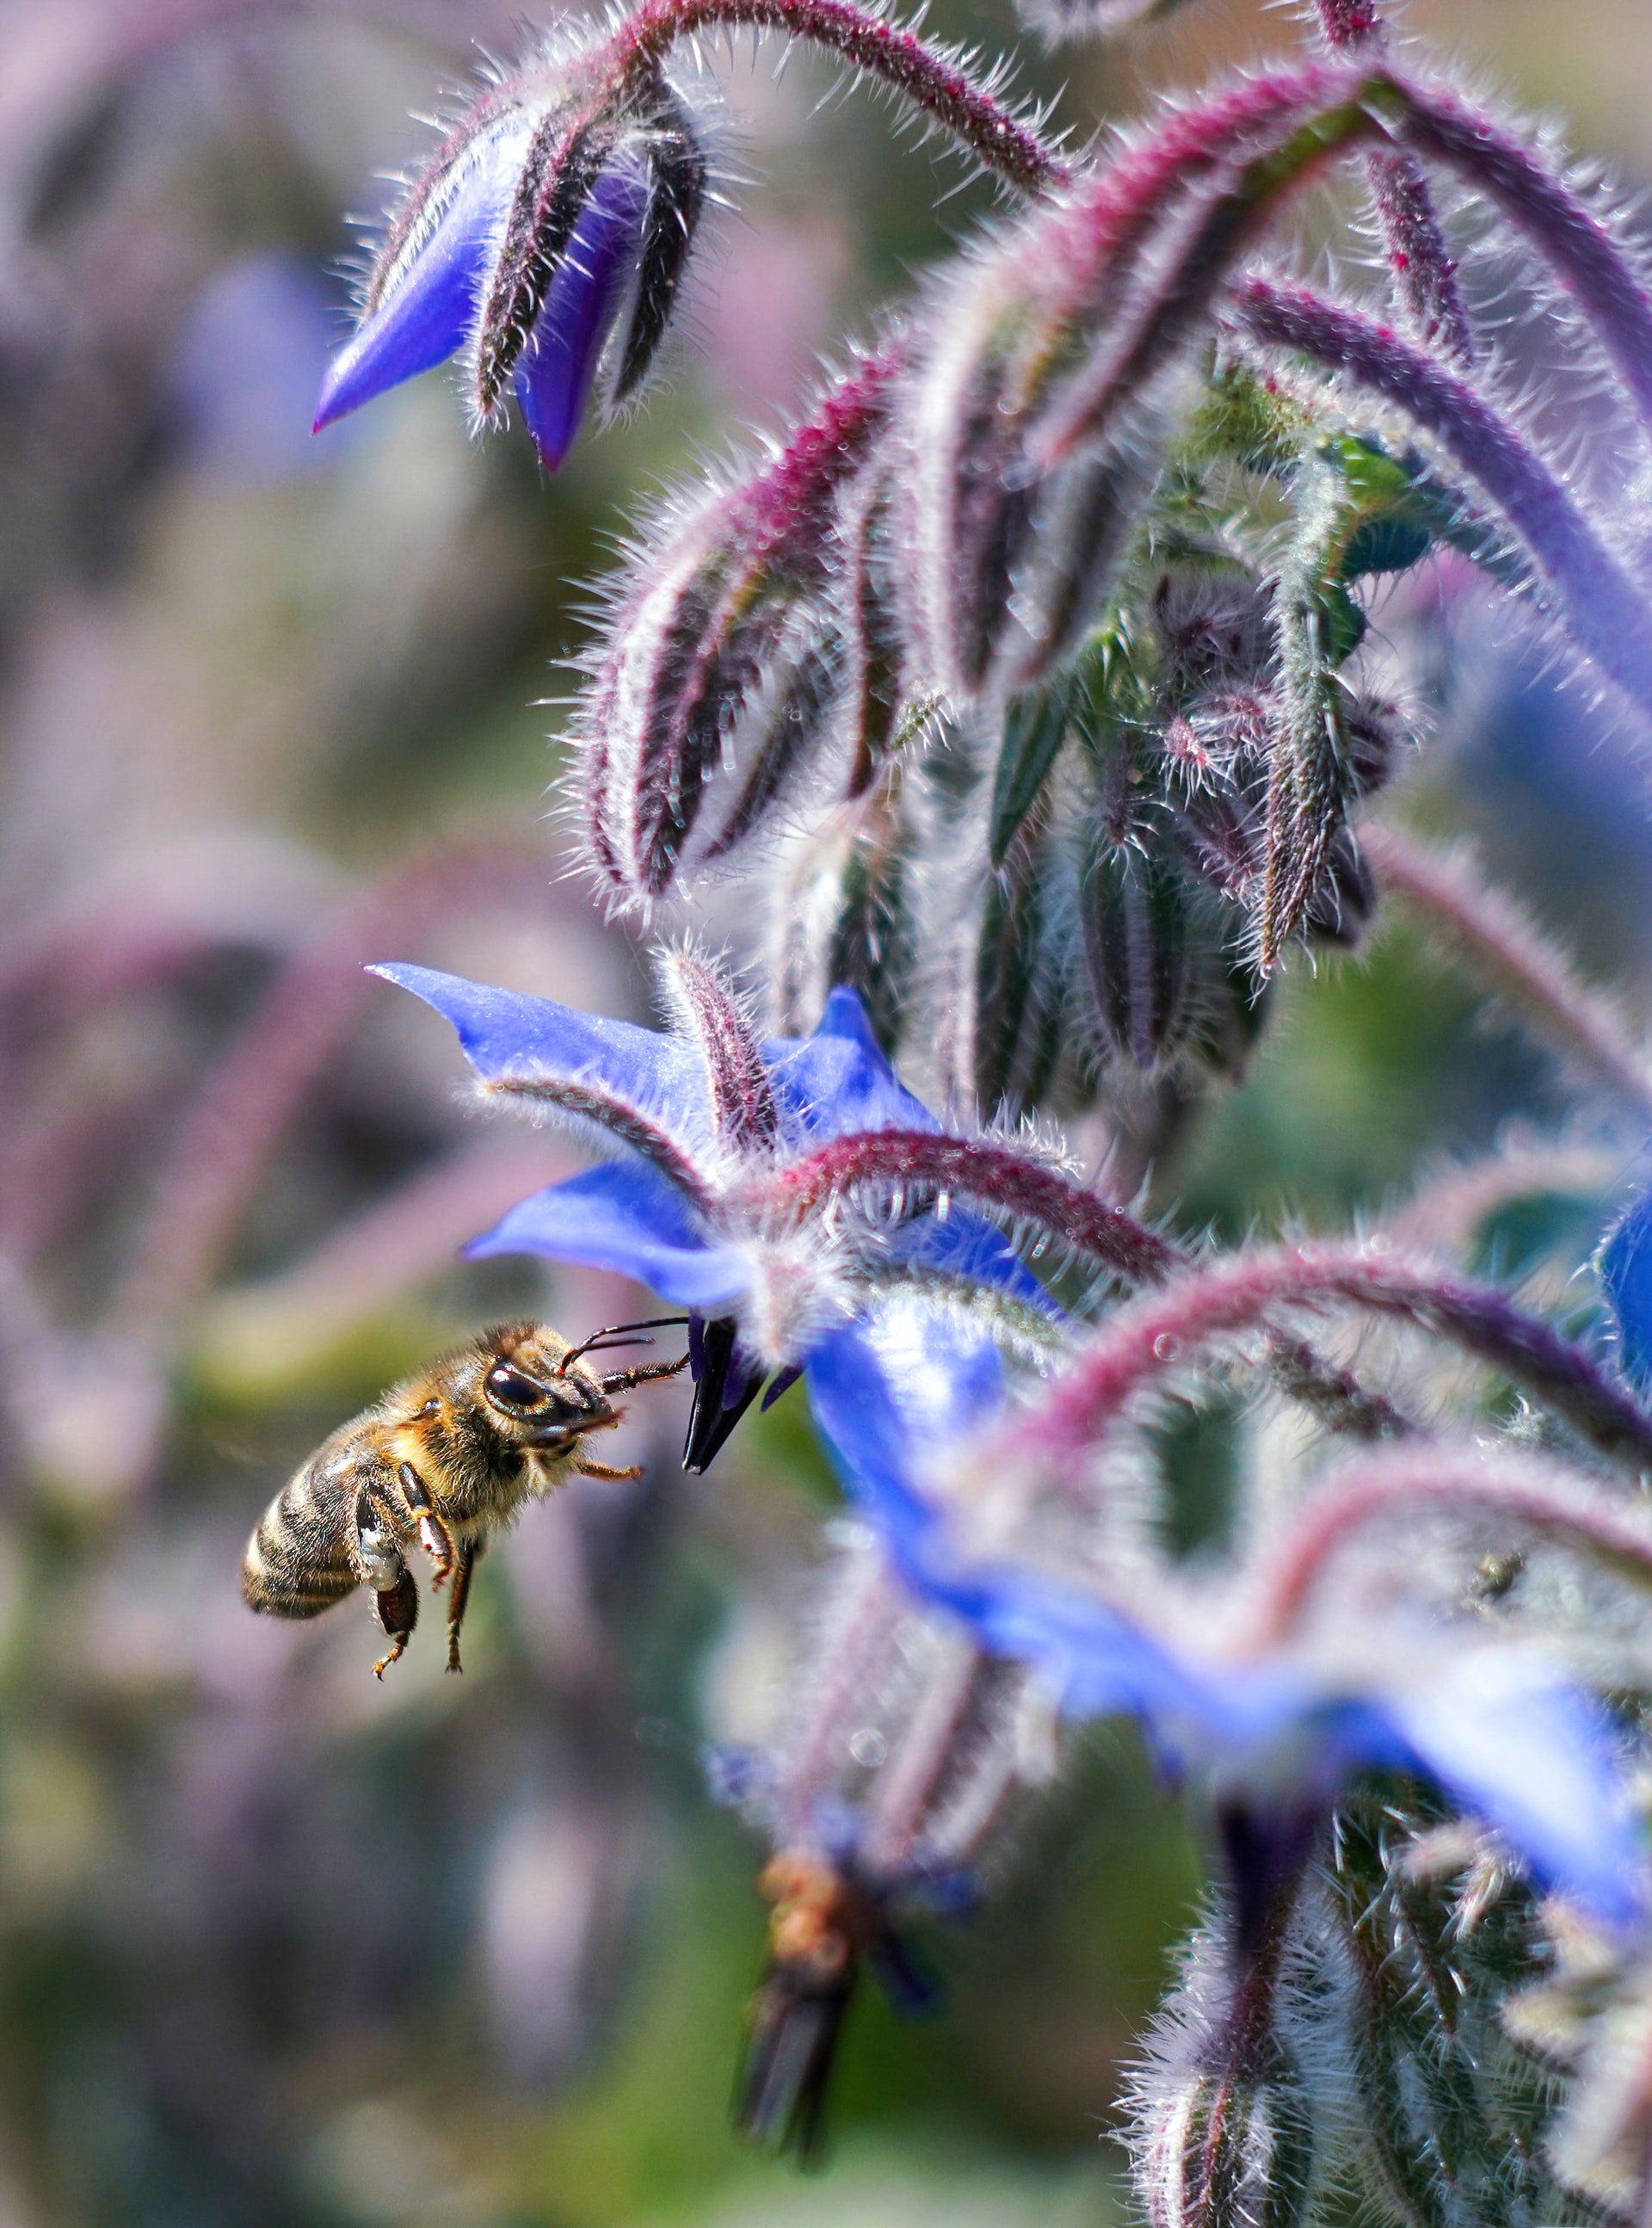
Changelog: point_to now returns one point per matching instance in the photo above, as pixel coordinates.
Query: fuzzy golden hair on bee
(447, 1457)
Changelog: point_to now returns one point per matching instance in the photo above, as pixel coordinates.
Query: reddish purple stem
(1457, 1483)
(995, 1177)
(1175, 1325)
(932, 81)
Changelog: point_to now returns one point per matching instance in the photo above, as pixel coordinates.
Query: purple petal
(624, 1217)
(839, 1079)
(505, 1033)
(557, 369)
(431, 299)
(890, 1390)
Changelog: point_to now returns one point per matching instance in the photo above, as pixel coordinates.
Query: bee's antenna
(618, 1334)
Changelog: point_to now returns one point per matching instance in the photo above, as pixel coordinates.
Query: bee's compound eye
(511, 1389)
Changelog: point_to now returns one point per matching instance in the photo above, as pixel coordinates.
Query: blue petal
(428, 311)
(554, 377)
(1626, 1272)
(961, 1244)
(888, 1390)
(1531, 1757)
(838, 1080)
(1534, 1760)
(626, 1217)
(889, 1387)
(504, 1034)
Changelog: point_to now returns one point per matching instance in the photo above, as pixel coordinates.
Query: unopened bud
(1023, 965)
(1231, 2149)
(846, 915)
(1135, 912)
(717, 683)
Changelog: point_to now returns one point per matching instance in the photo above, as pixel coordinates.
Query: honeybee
(447, 1457)
(826, 1922)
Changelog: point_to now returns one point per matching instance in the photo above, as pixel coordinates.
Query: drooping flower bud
(717, 683)
(547, 240)
(1010, 564)
(868, 607)
(845, 914)
(1025, 961)
(1135, 908)
(1226, 2125)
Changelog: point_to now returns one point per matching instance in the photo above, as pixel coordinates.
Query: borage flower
(547, 240)
(904, 1404)
(701, 1118)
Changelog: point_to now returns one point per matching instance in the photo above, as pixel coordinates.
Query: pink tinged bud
(423, 299)
(722, 671)
(1138, 949)
(557, 370)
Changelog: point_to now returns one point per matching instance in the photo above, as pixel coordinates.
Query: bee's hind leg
(460, 1600)
(433, 1536)
(397, 1608)
(376, 1554)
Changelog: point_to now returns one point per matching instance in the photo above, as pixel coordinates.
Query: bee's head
(533, 1395)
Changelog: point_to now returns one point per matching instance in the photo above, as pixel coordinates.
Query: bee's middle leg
(460, 1600)
(433, 1536)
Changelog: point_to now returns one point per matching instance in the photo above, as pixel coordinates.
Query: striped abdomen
(298, 1560)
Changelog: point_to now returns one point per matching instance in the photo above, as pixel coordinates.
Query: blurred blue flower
(693, 1114)
(1625, 1266)
(431, 292)
(896, 1393)
(250, 352)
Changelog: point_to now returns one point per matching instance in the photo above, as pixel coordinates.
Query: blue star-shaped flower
(700, 1119)
(899, 1401)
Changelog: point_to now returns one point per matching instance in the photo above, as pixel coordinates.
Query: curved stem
(1496, 939)
(1457, 1483)
(931, 79)
(1175, 1325)
(1446, 1210)
(1008, 1183)
(994, 1176)
(1598, 600)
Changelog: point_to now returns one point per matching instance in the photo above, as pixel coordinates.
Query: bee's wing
(796, 2023)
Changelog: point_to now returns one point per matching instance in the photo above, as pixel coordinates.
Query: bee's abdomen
(298, 1561)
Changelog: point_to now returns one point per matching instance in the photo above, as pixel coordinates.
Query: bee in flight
(444, 1458)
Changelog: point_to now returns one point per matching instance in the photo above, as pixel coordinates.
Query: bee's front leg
(588, 1466)
(645, 1373)
(433, 1536)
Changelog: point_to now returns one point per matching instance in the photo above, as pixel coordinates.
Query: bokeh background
(280, 1948)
